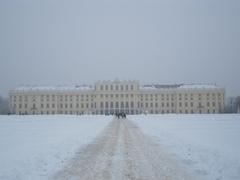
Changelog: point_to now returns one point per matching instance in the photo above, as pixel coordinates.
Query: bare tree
(238, 104)
(4, 105)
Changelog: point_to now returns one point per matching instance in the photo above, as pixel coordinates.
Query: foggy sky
(52, 42)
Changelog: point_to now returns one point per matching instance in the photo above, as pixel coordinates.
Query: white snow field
(36, 147)
(208, 146)
(143, 147)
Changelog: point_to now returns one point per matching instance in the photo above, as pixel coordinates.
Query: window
(132, 104)
(180, 96)
(131, 87)
(213, 104)
(213, 96)
(122, 104)
(111, 105)
(146, 105)
(53, 105)
(106, 104)
(180, 104)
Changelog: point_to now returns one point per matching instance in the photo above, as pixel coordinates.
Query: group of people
(121, 115)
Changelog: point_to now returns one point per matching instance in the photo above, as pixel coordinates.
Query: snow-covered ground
(36, 147)
(208, 146)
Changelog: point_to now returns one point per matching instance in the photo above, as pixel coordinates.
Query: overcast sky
(52, 42)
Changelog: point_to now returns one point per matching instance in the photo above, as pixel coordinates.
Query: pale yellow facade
(109, 97)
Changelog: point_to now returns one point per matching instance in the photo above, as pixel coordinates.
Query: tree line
(4, 105)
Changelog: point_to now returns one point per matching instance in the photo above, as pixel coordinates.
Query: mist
(53, 42)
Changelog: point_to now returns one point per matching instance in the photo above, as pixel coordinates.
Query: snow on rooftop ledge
(49, 88)
(198, 86)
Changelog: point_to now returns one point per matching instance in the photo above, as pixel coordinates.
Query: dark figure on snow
(121, 115)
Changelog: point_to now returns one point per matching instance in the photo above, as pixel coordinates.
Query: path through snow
(122, 151)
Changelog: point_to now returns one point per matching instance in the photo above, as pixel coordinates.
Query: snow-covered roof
(51, 88)
(198, 86)
(179, 86)
(143, 87)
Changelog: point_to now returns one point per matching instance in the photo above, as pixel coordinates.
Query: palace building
(109, 97)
